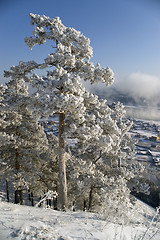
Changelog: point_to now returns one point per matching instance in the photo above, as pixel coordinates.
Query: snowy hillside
(24, 222)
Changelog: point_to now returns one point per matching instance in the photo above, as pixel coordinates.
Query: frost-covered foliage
(116, 205)
(73, 51)
(24, 160)
(100, 163)
(4, 137)
(93, 132)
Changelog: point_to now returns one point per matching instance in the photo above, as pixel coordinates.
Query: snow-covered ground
(24, 222)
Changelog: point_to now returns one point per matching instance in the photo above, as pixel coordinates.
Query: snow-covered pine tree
(24, 161)
(4, 138)
(61, 91)
(102, 156)
(82, 116)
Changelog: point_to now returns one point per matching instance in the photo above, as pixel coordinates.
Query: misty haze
(138, 92)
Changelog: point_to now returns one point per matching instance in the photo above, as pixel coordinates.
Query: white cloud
(140, 85)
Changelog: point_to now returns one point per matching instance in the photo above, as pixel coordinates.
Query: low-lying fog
(139, 92)
(140, 112)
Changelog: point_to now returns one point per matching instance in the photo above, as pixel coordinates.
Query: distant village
(147, 137)
(147, 148)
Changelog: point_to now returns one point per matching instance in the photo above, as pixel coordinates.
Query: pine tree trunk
(19, 191)
(90, 198)
(32, 199)
(55, 203)
(119, 162)
(62, 188)
(7, 189)
(84, 205)
(55, 200)
(29, 195)
(19, 196)
(16, 199)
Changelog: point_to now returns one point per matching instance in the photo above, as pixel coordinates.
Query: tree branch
(96, 160)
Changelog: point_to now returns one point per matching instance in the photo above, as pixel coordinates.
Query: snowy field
(24, 222)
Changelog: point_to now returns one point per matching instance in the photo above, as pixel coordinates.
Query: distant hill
(139, 107)
(114, 95)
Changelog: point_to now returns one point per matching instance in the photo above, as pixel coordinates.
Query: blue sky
(124, 34)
